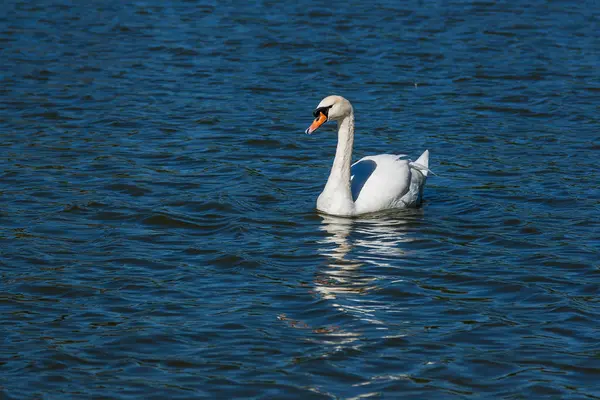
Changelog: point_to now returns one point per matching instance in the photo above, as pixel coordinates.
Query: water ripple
(158, 235)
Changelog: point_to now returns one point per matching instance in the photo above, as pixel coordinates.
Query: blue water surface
(158, 231)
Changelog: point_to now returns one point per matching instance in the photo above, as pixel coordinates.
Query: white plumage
(374, 183)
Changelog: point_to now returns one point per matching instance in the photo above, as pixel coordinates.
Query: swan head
(333, 108)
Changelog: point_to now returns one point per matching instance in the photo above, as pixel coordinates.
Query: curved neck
(343, 153)
(338, 184)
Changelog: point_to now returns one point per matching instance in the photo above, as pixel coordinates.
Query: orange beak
(320, 120)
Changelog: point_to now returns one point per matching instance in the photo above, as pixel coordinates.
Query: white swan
(374, 183)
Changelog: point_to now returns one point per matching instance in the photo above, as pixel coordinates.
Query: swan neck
(343, 153)
(337, 195)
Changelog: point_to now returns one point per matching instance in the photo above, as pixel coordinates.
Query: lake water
(158, 232)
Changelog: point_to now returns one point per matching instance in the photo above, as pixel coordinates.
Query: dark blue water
(158, 232)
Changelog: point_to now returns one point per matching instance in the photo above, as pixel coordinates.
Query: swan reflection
(376, 241)
(342, 274)
(358, 252)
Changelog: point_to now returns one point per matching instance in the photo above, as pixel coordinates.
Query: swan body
(374, 183)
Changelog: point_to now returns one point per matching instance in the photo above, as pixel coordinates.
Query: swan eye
(324, 110)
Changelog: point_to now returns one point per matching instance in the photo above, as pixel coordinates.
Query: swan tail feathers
(424, 159)
(422, 164)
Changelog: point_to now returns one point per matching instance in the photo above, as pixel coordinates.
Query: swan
(374, 183)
